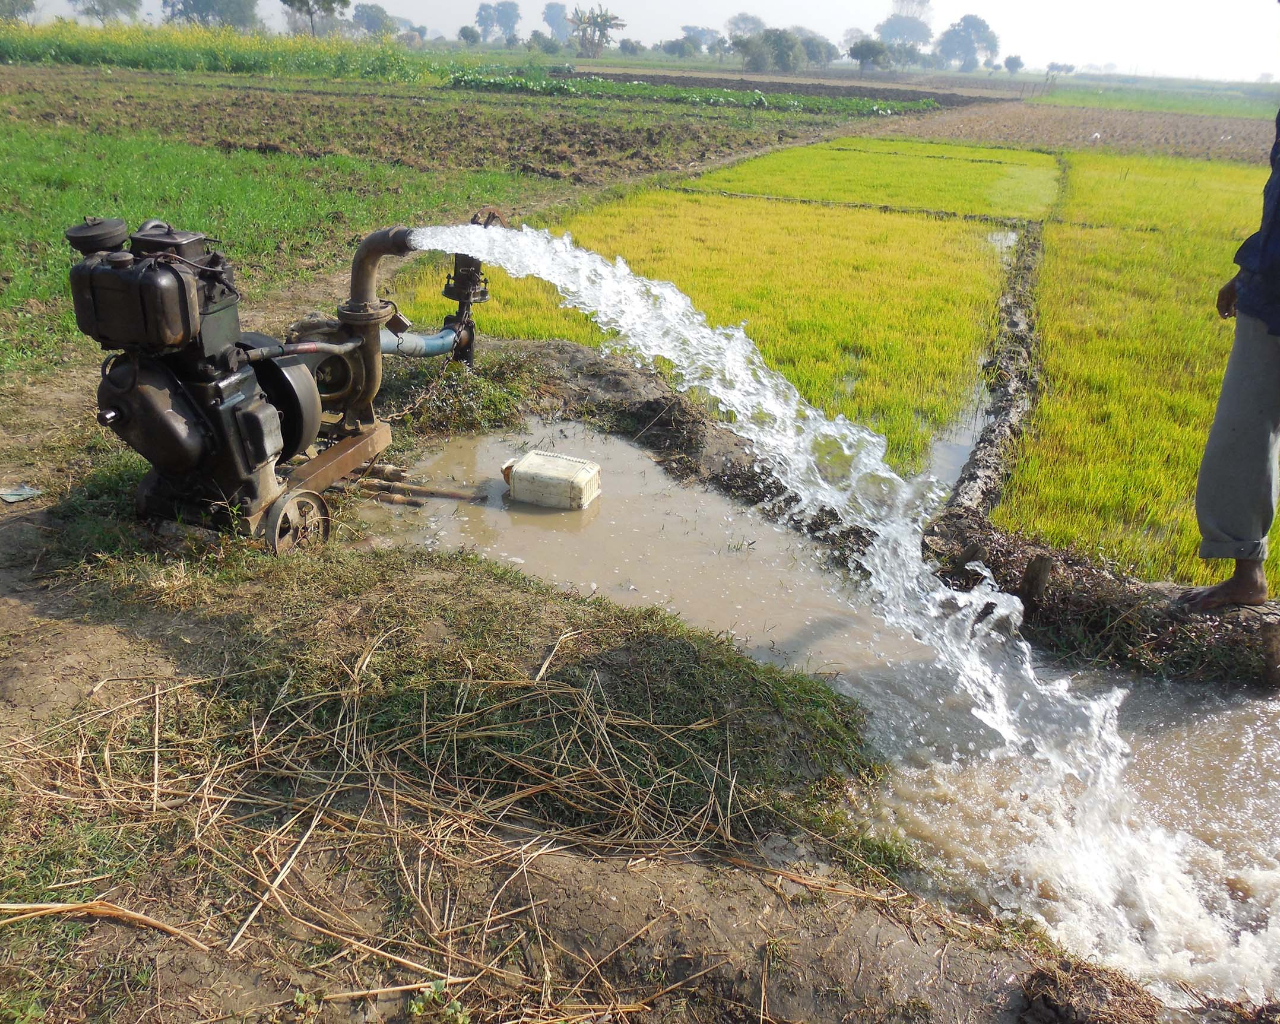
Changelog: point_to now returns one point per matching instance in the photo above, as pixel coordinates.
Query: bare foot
(1248, 587)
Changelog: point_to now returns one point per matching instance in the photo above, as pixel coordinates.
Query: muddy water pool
(1176, 879)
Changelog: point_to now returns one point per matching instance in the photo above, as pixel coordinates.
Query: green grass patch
(279, 217)
(896, 173)
(600, 88)
(1213, 99)
(882, 317)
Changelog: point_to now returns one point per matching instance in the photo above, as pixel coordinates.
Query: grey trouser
(1236, 493)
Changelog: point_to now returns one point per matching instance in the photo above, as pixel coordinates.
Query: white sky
(1226, 39)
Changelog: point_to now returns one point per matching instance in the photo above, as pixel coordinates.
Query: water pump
(238, 427)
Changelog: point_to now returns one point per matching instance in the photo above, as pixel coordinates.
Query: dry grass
(377, 777)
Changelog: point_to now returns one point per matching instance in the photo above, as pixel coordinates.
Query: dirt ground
(539, 927)
(1049, 127)
(441, 129)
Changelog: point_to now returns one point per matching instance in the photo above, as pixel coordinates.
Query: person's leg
(1237, 489)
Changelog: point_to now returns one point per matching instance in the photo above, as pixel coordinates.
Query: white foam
(1074, 851)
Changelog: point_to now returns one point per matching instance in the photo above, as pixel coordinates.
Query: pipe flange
(365, 313)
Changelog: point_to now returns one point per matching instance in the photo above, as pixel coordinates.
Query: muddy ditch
(1076, 607)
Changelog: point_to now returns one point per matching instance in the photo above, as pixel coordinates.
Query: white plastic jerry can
(552, 480)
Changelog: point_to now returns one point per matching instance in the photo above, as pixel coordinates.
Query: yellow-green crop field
(881, 317)
(901, 173)
(1134, 354)
(884, 316)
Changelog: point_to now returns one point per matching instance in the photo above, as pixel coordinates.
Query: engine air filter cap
(98, 234)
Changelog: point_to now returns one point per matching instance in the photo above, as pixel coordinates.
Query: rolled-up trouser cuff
(1255, 551)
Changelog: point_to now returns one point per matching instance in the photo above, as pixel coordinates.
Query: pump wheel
(297, 520)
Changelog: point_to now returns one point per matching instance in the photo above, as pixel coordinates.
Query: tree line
(903, 39)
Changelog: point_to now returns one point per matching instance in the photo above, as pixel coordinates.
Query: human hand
(1227, 300)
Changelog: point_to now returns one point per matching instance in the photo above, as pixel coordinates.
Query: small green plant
(434, 1002)
(479, 80)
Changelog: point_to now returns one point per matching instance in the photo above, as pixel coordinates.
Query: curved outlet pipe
(365, 314)
(364, 267)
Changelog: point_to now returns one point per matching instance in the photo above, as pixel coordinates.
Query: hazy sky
(1230, 39)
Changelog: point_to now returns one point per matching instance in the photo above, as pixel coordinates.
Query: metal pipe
(365, 314)
(302, 348)
(364, 267)
(439, 344)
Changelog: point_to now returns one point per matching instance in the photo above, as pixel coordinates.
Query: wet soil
(436, 129)
(671, 937)
(798, 87)
(1048, 127)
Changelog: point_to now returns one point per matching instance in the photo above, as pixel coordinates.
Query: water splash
(1069, 848)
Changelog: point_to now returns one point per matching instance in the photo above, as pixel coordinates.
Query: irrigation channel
(1136, 820)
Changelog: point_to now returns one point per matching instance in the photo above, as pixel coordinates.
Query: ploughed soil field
(436, 129)
(1050, 127)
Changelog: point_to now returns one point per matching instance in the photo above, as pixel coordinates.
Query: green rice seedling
(897, 173)
(1134, 354)
(1212, 99)
(1151, 193)
(877, 316)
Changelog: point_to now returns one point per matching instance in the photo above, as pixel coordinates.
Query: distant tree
(754, 54)
(467, 34)
(373, 18)
(852, 36)
(704, 36)
(556, 18)
(17, 10)
(918, 9)
(104, 11)
(818, 50)
(1266, 78)
(241, 14)
(541, 41)
(967, 40)
(1055, 69)
(905, 55)
(630, 47)
(507, 15)
(745, 25)
(486, 20)
(684, 47)
(594, 29)
(718, 47)
(310, 9)
(1013, 64)
(868, 52)
(785, 50)
(898, 28)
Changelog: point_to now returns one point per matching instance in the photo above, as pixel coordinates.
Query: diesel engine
(237, 426)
